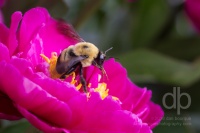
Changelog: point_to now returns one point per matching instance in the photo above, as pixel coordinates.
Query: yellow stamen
(89, 85)
(115, 98)
(73, 78)
(45, 58)
(79, 86)
(52, 64)
(103, 91)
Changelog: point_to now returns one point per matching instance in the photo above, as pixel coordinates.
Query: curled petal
(23, 91)
(4, 54)
(119, 121)
(22, 65)
(9, 117)
(145, 129)
(12, 41)
(41, 35)
(106, 116)
(115, 74)
(92, 75)
(154, 115)
(39, 123)
(133, 98)
(29, 26)
(4, 36)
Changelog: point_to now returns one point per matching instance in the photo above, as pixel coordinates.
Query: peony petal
(42, 35)
(129, 94)
(22, 65)
(137, 99)
(4, 54)
(23, 91)
(63, 91)
(133, 98)
(142, 100)
(145, 129)
(12, 42)
(7, 110)
(118, 121)
(77, 105)
(96, 105)
(91, 75)
(53, 40)
(29, 26)
(54, 105)
(106, 116)
(4, 36)
(154, 115)
(117, 77)
(9, 117)
(40, 124)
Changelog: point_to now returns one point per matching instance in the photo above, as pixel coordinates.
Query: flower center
(101, 89)
(52, 64)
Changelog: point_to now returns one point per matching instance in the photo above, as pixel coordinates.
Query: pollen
(101, 89)
(52, 64)
(73, 78)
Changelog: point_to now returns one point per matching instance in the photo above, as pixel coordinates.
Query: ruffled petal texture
(41, 35)
(133, 98)
(54, 105)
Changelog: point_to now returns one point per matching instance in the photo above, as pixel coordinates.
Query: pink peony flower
(28, 90)
(192, 8)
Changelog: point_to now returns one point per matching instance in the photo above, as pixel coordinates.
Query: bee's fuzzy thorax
(63, 55)
(88, 49)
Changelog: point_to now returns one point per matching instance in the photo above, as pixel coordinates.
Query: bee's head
(99, 60)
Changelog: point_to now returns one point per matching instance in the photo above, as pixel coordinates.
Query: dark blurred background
(153, 39)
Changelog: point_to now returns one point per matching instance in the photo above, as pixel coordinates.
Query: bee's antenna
(104, 73)
(102, 69)
(108, 50)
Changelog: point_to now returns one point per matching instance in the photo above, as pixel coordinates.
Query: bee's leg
(83, 82)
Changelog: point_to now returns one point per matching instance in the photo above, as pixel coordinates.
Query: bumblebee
(82, 54)
(76, 57)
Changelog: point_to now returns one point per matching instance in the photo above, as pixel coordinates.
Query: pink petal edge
(40, 124)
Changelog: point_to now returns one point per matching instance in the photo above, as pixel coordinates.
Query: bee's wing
(70, 65)
(68, 31)
(73, 64)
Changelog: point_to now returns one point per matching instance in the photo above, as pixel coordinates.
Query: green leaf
(149, 19)
(16, 127)
(56, 8)
(147, 66)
